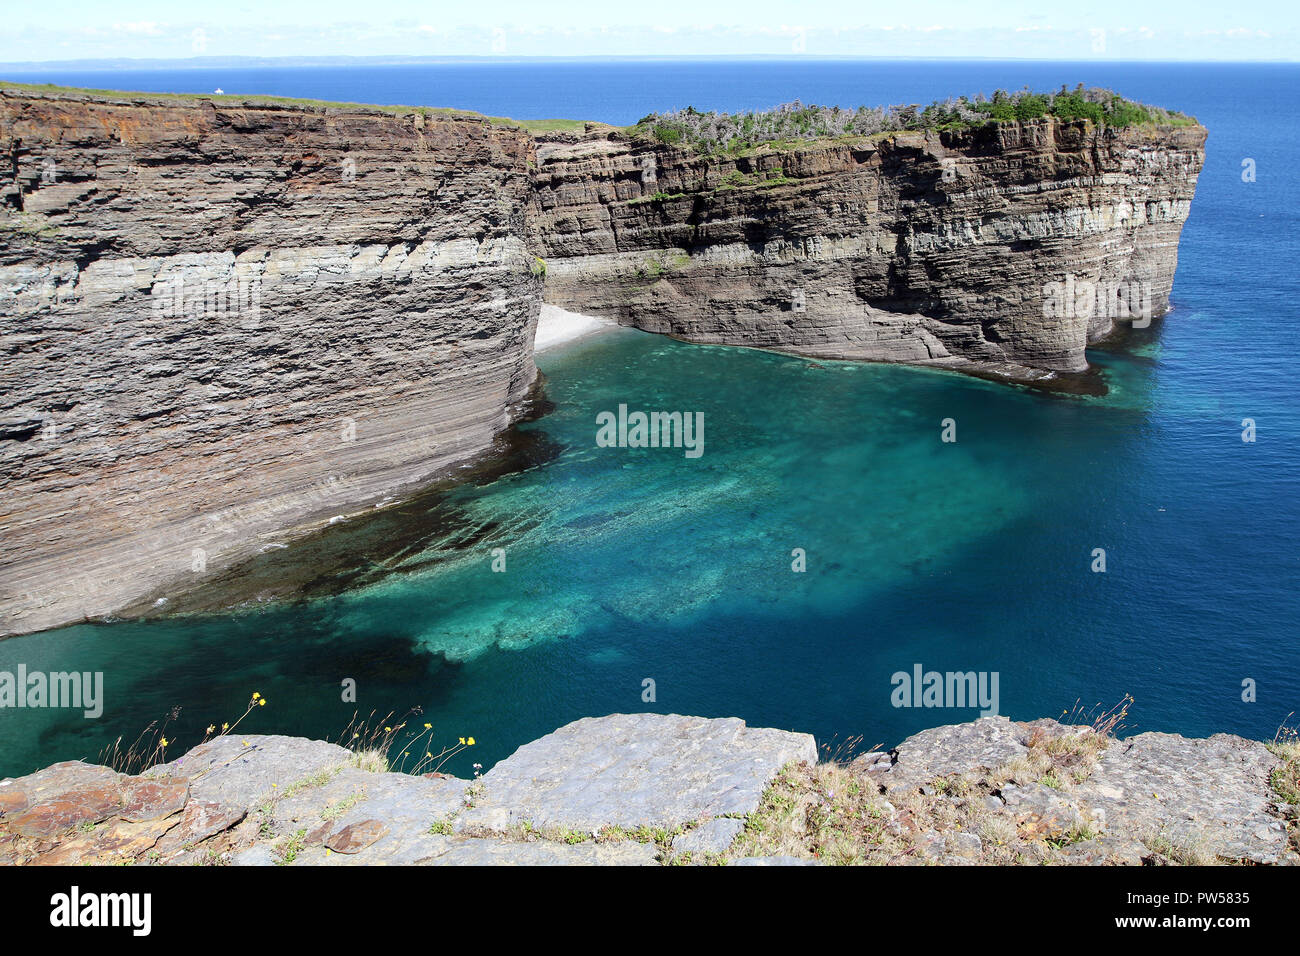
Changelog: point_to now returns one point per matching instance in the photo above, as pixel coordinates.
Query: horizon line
(200, 62)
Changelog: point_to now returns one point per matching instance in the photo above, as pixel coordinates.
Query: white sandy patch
(557, 326)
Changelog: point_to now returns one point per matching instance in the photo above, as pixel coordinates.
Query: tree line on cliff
(731, 133)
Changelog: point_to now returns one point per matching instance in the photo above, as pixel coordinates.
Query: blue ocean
(628, 565)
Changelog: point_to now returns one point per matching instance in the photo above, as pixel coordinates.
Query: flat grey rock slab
(352, 795)
(983, 744)
(631, 770)
(1043, 812)
(491, 852)
(408, 806)
(1105, 850)
(403, 800)
(1211, 793)
(713, 836)
(439, 850)
(412, 850)
(254, 856)
(245, 771)
(774, 861)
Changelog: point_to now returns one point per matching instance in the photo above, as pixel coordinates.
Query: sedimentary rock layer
(220, 323)
(223, 323)
(936, 248)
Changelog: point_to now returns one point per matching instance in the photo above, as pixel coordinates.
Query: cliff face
(223, 323)
(936, 248)
(641, 789)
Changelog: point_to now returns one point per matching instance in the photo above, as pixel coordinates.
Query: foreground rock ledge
(647, 789)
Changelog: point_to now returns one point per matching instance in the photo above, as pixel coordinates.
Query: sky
(1079, 30)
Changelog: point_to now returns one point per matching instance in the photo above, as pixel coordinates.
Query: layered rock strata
(222, 323)
(930, 248)
(225, 323)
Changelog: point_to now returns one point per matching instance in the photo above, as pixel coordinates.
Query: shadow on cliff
(367, 547)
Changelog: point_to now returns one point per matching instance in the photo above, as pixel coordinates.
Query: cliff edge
(645, 789)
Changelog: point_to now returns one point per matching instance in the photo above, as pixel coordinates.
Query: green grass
(291, 848)
(544, 125)
(753, 132)
(796, 124)
(657, 197)
(318, 779)
(1080, 834)
(240, 99)
(1285, 780)
(336, 810)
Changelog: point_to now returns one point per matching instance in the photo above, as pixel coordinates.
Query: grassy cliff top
(734, 133)
(239, 99)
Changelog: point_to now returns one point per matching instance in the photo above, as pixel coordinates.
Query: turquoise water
(627, 564)
(623, 564)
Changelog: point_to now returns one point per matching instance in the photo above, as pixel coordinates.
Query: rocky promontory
(227, 322)
(648, 789)
(926, 247)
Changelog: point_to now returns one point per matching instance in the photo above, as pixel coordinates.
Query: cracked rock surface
(644, 789)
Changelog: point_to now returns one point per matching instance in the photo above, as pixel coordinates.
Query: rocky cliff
(642, 789)
(931, 248)
(223, 322)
